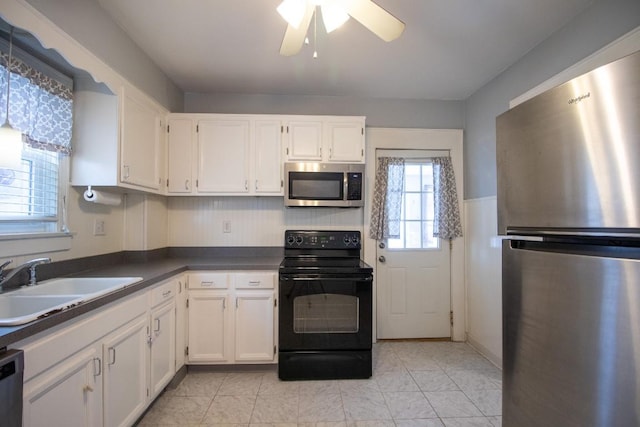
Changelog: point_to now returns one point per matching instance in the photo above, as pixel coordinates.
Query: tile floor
(425, 384)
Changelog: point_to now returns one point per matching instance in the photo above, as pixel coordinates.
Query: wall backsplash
(254, 221)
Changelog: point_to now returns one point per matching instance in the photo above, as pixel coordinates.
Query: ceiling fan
(298, 14)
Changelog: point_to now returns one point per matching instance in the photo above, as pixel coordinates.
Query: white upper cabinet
(267, 167)
(325, 139)
(118, 140)
(141, 130)
(218, 154)
(344, 139)
(180, 155)
(223, 155)
(304, 140)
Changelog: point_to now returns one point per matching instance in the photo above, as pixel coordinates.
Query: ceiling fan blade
(294, 37)
(376, 19)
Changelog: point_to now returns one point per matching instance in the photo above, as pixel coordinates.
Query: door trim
(419, 139)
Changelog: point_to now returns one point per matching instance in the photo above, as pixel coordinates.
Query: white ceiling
(450, 48)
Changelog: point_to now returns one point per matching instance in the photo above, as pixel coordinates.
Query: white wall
(483, 265)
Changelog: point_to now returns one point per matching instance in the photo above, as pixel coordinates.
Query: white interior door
(413, 271)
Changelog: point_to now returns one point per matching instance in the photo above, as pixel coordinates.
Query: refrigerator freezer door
(570, 157)
(571, 337)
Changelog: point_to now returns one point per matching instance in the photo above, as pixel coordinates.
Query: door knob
(381, 258)
(381, 245)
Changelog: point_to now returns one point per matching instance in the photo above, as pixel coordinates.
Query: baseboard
(495, 359)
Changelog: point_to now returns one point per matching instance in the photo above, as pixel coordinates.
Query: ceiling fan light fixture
(293, 11)
(333, 15)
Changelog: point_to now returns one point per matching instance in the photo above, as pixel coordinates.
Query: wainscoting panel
(252, 221)
(484, 278)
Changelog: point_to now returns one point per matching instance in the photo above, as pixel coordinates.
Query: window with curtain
(41, 107)
(415, 203)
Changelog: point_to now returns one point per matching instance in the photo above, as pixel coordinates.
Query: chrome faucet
(31, 265)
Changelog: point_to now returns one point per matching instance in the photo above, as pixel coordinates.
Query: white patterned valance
(39, 106)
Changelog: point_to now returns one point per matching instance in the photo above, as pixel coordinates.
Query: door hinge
(167, 182)
(186, 351)
(281, 129)
(197, 128)
(168, 129)
(362, 130)
(275, 302)
(287, 151)
(187, 302)
(451, 317)
(274, 350)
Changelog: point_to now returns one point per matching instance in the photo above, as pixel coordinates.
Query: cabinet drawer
(162, 293)
(257, 280)
(209, 281)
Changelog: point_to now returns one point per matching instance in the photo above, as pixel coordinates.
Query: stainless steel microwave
(324, 184)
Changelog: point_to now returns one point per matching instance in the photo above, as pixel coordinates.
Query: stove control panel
(322, 239)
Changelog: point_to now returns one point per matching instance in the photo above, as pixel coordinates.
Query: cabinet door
(254, 331)
(267, 159)
(345, 141)
(180, 174)
(208, 326)
(125, 355)
(163, 346)
(140, 142)
(181, 322)
(223, 156)
(305, 140)
(68, 395)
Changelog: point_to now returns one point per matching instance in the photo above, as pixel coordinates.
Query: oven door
(325, 312)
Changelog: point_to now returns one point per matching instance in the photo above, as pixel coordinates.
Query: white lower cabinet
(105, 367)
(254, 329)
(124, 356)
(69, 394)
(209, 326)
(231, 317)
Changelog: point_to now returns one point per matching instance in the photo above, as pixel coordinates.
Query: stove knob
(355, 240)
(347, 240)
(299, 240)
(291, 240)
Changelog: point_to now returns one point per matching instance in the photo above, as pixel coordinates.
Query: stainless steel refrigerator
(569, 202)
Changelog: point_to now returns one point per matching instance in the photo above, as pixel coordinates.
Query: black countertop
(152, 271)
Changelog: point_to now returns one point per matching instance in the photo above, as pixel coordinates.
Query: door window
(418, 212)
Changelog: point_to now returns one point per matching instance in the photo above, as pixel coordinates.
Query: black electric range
(325, 307)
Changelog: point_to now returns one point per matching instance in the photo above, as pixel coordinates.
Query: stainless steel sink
(31, 302)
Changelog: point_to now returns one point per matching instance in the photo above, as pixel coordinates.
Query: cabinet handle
(157, 329)
(180, 286)
(254, 282)
(206, 284)
(97, 374)
(256, 184)
(112, 354)
(224, 303)
(186, 184)
(166, 294)
(236, 302)
(87, 388)
(246, 185)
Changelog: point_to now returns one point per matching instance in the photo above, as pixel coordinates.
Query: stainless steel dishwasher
(11, 371)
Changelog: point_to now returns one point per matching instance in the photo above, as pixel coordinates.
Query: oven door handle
(327, 279)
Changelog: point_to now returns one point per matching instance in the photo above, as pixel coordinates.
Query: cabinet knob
(186, 184)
